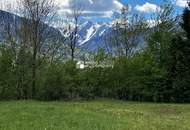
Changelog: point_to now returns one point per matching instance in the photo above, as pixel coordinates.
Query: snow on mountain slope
(91, 32)
(92, 35)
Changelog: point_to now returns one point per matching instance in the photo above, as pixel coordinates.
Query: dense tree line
(158, 72)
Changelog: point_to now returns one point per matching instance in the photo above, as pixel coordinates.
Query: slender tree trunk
(34, 74)
(34, 64)
(72, 54)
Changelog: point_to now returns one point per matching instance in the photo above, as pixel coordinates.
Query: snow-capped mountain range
(91, 35)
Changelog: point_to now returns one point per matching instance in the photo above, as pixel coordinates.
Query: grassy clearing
(93, 115)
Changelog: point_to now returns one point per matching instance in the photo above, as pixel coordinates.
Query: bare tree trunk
(72, 54)
(74, 16)
(37, 12)
(34, 74)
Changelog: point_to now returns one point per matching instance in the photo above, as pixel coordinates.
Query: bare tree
(133, 31)
(39, 14)
(32, 41)
(76, 12)
(114, 41)
(127, 33)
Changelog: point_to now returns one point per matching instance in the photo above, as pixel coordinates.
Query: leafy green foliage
(159, 72)
(7, 91)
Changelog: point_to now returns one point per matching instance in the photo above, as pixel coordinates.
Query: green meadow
(93, 115)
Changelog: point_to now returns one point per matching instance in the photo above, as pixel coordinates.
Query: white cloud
(180, 3)
(148, 8)
(7, 5)
(100, 8)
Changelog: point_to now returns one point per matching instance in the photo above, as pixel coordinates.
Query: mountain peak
(92, 35)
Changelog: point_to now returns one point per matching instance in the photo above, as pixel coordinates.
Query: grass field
(93, 115)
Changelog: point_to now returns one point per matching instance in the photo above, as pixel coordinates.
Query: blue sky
(105, 10)
(179, 5)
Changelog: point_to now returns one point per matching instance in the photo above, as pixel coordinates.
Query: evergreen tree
(180, 61)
